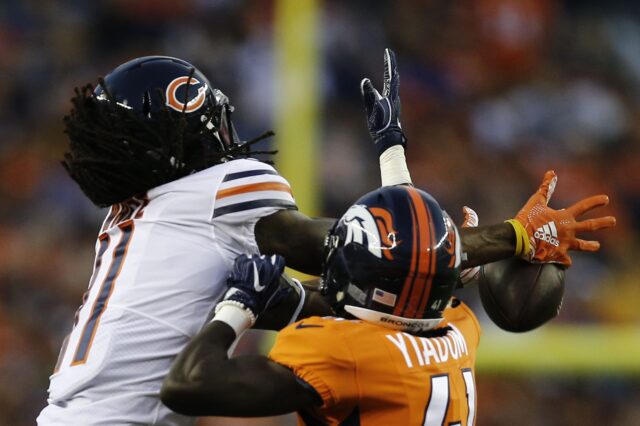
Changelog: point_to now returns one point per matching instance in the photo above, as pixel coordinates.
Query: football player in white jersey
(154, 142)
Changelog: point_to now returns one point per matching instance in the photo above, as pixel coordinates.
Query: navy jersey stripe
(240, 175)
(249, 205)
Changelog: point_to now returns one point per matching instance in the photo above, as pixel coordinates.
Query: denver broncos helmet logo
(386, 229)
(372, 228)
(191, 106)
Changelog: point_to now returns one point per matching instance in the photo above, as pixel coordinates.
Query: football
(520, 296)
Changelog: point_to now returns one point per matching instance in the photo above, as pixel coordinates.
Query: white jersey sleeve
(249, 191)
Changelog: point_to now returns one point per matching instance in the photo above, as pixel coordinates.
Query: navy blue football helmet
(393, 259)
(151, 86)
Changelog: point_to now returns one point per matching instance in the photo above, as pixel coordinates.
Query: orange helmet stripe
(411, 275)
(423, 279)
(428, 260)
(417, 288)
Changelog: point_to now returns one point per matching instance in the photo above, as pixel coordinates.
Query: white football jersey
(161, 264)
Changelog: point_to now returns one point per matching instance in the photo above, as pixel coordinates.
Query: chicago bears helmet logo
(172, 95)
(372, 228)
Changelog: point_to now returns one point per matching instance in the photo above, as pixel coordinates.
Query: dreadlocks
(116, 153)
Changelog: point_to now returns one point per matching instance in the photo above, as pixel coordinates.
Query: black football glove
(383, 111)
(254, 281)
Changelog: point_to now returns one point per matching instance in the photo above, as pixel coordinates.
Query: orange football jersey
(372, 375)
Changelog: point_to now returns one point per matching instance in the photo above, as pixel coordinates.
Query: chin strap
(393, 321)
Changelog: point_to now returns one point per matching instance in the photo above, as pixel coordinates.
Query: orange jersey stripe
(253, 187)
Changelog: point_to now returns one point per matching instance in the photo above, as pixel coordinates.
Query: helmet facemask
(220, 124)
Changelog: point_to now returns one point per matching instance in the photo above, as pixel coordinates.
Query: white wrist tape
(393, 167)
(235, 315)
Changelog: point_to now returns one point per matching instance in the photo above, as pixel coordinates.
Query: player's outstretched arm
(486, 244)
(297, 237)
(204, 381)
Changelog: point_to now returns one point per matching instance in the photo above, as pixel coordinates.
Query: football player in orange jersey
(401, 350)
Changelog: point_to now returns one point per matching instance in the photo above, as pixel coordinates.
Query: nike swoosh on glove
(383, 111)
(254, 281)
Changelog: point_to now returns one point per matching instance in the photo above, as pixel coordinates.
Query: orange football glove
(470, 221)
(547, 235)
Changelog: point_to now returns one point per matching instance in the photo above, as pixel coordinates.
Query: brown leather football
(519, 296)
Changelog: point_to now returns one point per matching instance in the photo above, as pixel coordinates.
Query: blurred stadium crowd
(494, 92)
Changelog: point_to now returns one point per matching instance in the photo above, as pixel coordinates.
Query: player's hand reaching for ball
(546, 235)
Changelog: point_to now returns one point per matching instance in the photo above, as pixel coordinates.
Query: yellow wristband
(522, 238)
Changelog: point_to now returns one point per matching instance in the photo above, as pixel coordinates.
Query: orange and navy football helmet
(151, 86)
(393, 259)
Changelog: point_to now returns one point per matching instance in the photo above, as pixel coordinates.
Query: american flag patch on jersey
(384, 297)
(252, 189)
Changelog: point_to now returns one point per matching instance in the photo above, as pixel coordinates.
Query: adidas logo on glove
(548, 233)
